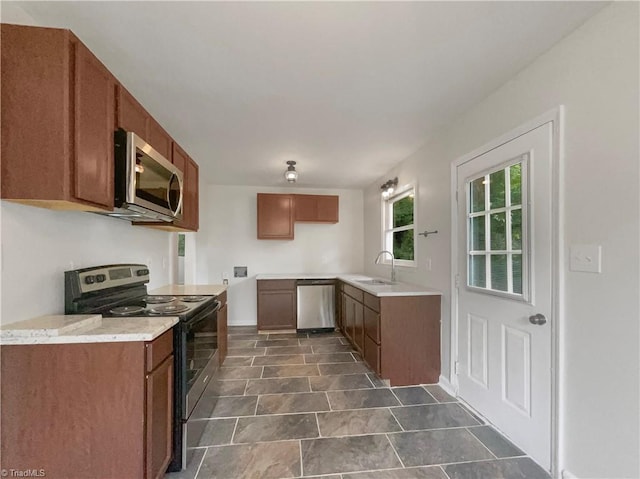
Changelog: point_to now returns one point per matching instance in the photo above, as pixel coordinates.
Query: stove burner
(169, 309)
(126, 310)
(159, 299)
(192, 299)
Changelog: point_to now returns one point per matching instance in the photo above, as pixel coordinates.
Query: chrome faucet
(393, 263)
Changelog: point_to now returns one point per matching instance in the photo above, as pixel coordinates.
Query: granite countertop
(395, 289)
(80, 328)
(190, 289)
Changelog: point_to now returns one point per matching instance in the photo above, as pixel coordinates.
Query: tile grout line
(200, 465)
(300, 452)
(483, 444)
(394, 450)
(233, 434)
(318, 425)
(444, 472)
(396, 419)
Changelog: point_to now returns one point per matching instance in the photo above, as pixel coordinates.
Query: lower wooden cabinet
(398, 336)
(88, 410)
(277, 301)
(159, 414)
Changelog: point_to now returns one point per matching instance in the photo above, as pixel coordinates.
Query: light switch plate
(585, 258)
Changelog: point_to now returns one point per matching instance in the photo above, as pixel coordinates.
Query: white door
(504, 288)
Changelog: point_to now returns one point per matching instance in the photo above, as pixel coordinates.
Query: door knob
(538, 319)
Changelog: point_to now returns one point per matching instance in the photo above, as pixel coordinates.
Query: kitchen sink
(375, 282)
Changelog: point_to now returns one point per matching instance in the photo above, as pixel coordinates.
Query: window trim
(386, 215)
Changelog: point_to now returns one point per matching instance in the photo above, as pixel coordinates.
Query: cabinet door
(191, 208)
(327, 209)
(372, 354)
(159, 139)
(372, 324)
(349, 313)
(222, 333)
(94, 122)
(159, 414)
(131, 115)
(275, 216)
(316, 208)
(277, 309)
(358, 326)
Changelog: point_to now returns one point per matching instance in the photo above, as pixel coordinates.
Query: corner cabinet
(88, 410)
(398, 336)
(58, 106)
(277, 213)
(277, 303)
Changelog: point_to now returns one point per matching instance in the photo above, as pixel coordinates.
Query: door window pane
(498, 223)
(477, 195)
(496, 189)
(477, 233)
(499, 279)
(515, 172)
(517, 273)
(478, 271)
(403, 244)
(516, 229)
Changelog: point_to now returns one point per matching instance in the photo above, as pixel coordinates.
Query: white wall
(228, 238)
(38, 245)
(594, 72)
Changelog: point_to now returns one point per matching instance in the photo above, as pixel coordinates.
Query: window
(399, 231)
(496, 236)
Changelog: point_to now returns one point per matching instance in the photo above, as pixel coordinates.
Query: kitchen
(580, 72)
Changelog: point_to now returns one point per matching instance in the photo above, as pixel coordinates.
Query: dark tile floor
(297, 405)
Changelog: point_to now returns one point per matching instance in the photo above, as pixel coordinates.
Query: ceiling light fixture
(389, 187)
(291, 175)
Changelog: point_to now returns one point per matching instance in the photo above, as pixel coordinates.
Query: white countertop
(80, 328)
(381, 290)
(190, 290)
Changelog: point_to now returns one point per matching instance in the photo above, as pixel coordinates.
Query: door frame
(556, 118)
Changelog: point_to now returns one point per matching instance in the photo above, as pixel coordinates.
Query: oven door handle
(204, 315)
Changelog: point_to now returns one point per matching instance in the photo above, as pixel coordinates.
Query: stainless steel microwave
(148, 187)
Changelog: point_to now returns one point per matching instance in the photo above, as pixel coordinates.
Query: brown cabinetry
(400, 338)
(277, 213)
(277, 303)
(88, 410)
(275, 216)
(316, 208)
(131, 116)
(57, 121)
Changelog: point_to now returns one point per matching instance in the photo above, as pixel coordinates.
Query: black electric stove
(120, 291)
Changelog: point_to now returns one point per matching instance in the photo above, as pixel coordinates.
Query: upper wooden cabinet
(131, 116)
(190, 195)
(277, 213)
(57, 121)
(316, 208)
(275, 216)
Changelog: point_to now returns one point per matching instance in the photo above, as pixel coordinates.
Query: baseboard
(568, 475)
(447, 386)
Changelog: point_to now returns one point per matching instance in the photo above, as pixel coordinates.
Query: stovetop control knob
(100, 278)
(142, 272)
(89, 279)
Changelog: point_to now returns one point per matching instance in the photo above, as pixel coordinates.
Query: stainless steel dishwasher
(316, 304)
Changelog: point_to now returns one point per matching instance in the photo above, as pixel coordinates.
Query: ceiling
(348, 90)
